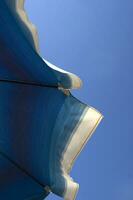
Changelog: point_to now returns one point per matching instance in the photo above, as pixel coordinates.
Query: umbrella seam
(27, 83)
(21, 168)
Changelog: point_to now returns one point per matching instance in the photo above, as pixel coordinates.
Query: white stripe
(75, 80)
(24, 17)
(80, 137)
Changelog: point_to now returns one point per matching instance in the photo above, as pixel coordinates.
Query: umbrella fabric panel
(19, 61)
(16, 184)
(27, 118)
(40, 127)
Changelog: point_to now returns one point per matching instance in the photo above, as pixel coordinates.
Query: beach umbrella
(43, 127)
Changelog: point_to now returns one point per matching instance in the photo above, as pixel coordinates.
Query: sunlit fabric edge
(81, 135)
(76, 123)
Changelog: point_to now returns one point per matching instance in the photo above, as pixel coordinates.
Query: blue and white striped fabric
(43, 127)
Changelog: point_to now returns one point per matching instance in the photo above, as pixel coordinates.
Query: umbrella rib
(21, 168)
(27, 83)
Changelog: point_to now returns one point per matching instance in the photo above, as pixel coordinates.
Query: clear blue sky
(94, 38)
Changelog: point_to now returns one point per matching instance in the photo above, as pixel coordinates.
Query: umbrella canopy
(43, 127)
